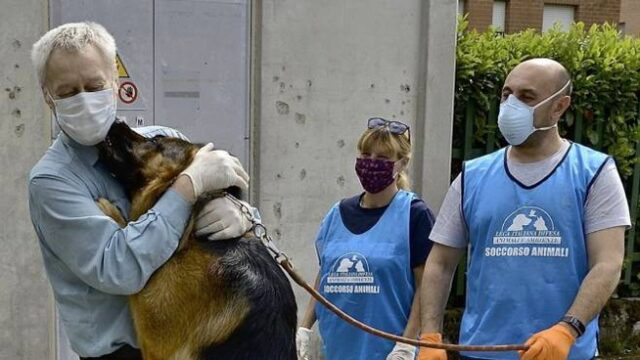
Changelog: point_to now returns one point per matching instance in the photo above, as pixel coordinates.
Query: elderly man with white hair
(91, 262)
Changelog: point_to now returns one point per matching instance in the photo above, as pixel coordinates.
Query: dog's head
(136, 161)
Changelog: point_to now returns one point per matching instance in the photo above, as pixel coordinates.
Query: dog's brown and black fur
(212, 299)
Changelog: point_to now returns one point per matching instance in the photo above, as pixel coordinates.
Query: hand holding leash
(431, 353)
(550, 344)
(402, 351)
(213, 170)
(303, 343)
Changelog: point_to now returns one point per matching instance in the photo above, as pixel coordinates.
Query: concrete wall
(326, 67)
(321, 68)
(25, 300)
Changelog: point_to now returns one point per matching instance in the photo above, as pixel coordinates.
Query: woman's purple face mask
(375, 174)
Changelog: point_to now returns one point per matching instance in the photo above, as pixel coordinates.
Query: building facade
(512, 16)
(630, 17)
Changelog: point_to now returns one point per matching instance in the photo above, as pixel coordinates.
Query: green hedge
(605, 69)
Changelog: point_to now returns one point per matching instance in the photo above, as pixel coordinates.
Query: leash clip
(260, 230)
(243, 208)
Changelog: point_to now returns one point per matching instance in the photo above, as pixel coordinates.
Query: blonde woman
(372, 248)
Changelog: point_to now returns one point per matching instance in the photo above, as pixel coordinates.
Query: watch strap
(575, 323)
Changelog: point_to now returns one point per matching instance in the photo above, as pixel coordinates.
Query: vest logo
(351, 274)
(528, 225)
(528, 231)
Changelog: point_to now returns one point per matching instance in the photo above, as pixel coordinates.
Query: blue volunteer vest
(527, 250)
(368, 276)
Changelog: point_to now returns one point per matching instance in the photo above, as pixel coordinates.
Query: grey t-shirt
(606, 204)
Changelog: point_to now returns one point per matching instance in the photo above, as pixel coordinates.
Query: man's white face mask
(87, 116)
(515, 119)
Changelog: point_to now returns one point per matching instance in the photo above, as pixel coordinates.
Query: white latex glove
(213, 170)
(222, 219)
(303, 343)
(402, 351)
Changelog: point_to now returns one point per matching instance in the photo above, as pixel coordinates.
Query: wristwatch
(575, 323)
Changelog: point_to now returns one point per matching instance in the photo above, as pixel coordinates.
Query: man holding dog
(92, 263)
(544, 222)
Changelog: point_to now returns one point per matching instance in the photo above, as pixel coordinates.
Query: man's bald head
(549, 74)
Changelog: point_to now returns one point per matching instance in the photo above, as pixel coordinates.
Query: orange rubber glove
(551, 344)
(431, 353)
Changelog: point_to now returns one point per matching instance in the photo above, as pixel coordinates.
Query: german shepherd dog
(212, 299)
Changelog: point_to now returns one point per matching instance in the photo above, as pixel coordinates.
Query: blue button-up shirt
(91, 262)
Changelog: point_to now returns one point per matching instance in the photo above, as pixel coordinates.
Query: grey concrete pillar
(26, 321)
(435, 110)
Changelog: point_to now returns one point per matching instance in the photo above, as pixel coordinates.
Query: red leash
(282, 259)
(286, 265)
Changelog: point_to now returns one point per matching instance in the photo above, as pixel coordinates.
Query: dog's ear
(120, 129)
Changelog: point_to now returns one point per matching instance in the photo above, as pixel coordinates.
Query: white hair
(71, 36)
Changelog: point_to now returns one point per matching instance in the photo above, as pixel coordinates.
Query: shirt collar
(87, 154)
